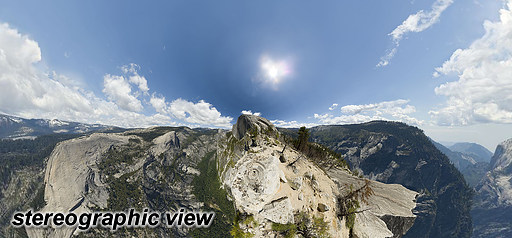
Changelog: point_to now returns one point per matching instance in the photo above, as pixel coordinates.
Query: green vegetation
(207, 189)
(249, 220)
(18, 154)
(118, 155)
(287, 230)
(350, 203)
(302, 142)
(305, 225)
(317, 153)
(38, 201)
(237, 232)
(124, 194)
(244, 220)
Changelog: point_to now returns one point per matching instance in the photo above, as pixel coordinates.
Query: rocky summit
(256, 180)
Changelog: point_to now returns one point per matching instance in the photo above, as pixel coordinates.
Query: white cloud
(20, 50)
(483, 91)
(135, 78)
(27, 91)
(417, 22)
(22, 87)
(394, 108)
(384, 60)
(159, 104)
(249, 112)
(421, 20)
(334, 106)
(397, 110)
(119, 90)
(201, 113)
(328, 119)
(292, 124)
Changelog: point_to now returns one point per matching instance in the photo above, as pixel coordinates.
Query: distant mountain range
(476, 151)
(491, 177)
(471, 159)
(12, 127)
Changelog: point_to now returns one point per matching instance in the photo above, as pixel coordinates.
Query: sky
(444, 66)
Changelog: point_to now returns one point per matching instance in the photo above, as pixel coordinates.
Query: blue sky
(200, 63)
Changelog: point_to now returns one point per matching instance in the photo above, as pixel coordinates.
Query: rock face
(255, 180)
(247, 122)
(388, 212)
(76, 161)
(392, 152)
(492, 211)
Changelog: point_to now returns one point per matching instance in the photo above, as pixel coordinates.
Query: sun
(274, 70)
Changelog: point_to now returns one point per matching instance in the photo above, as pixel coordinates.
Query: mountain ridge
(393, 152)
(13, 127)
(477, 151)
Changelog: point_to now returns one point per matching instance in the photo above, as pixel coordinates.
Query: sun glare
(274, 71)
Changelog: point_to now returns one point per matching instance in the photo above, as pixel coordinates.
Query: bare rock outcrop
(388, 212)
(255, 180)
(72, 181)
(247, 122)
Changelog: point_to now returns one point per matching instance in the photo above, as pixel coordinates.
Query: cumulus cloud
(27, 91)
(119, 90)
(135, 78)
(200, 113)
(23, 88)
(159, 104)
(483, 91)
(333, 106)
(249, 112)
(417, 22)
(292, 124)
(397, 110)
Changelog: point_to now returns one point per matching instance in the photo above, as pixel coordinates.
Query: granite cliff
(493, 201)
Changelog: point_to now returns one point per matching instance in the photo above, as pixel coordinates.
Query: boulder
(322, 207)
(279, 211)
